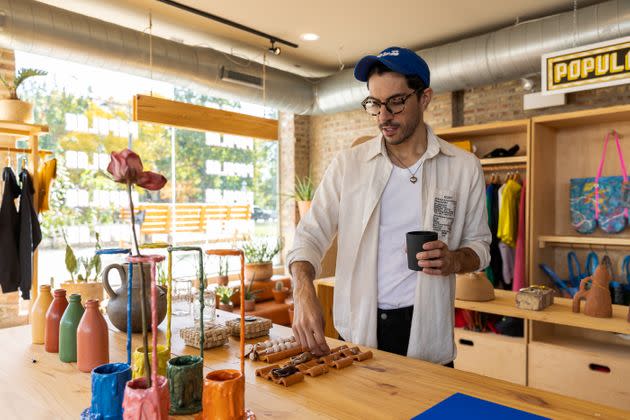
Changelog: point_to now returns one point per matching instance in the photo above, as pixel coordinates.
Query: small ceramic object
(68, 329)
(53, 318)
(108, 387)
(474, 287)
(38, 314)
(137, 369)
(143, 403)
(92, 338)
(185, 381)
(224, 395)
(598, 301)
(534, 298)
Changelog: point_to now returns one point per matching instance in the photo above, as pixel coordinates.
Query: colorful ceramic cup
(141, 403)
(224, 395)
(185, 382)
(137, 368)
(108, 389)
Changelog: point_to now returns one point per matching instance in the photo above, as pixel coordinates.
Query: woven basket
(254, 326)
(215, 335)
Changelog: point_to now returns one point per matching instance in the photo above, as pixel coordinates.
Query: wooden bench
(188, 217)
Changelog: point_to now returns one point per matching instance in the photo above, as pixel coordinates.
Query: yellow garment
(463, 144)
(45, 175)
(508, 214)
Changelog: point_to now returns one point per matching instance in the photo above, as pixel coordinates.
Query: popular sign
(587, 67)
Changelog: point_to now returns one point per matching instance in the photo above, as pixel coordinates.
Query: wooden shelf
(502, 127)
(21, 129)
(582, 241)
(504, 161)
(559, 313)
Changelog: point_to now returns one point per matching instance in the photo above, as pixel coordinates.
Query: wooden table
(389, 386)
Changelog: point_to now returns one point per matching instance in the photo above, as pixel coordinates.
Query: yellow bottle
(38, 314)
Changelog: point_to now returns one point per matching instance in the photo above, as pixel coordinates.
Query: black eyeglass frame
(387, 102)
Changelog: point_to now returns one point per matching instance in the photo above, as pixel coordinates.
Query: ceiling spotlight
(273, 49)
(527, 84)
(309, 37)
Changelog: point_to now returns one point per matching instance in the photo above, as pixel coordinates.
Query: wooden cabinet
(493, 355)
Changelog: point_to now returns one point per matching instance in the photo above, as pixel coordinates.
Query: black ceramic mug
(415, 242)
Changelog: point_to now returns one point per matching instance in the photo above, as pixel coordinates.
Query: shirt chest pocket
(444, 208)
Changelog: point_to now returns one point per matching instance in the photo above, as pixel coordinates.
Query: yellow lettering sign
(560, 72)
(588, 66)
(601, 65)
(574, 70)
(614, 66)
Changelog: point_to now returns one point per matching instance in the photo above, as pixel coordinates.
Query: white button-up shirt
(346, 203)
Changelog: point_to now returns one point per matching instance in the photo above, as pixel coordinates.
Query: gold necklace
(413, 178)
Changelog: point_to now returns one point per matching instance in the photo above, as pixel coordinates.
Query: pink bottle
(53, 317)
(92, 338)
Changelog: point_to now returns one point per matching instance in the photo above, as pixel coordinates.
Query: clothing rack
(25, 150)
(498, 168)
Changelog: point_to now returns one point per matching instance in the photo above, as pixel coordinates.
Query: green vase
(68, 329)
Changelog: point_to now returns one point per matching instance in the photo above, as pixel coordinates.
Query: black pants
(393, 330)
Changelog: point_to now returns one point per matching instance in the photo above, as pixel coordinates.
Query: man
(403, 180)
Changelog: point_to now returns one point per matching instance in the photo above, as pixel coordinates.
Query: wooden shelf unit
(30, 132)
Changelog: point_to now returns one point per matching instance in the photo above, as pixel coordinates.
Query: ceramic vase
(185, 382)
(68, 329)
(137, 368)
(92, 338)
(142, 403)
(108, 387)
(53, 318)
(224, 395)
(38, 314)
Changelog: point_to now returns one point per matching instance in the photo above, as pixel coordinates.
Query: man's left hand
(438, 260)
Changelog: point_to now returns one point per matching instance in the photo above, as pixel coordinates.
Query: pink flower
(126, 168)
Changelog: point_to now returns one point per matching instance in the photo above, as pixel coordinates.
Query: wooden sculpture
(598, 302)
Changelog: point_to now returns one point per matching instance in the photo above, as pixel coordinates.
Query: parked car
(261, 214)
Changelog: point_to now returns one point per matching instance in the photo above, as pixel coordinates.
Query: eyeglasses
(394, 105)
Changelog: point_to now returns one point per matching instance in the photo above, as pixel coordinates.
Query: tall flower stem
(145, 338)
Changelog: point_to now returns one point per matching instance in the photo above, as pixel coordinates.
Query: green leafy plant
(223, 266)
(249, 293)
(304, 189)
(225, 294)
(74, 264)
(260, 251)
(20, 77)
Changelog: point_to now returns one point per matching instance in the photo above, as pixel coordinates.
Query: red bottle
(92, 338)
(53, 317)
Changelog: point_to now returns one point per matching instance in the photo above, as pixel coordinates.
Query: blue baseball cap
(400, 60)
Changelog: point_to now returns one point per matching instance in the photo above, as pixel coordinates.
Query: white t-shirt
(400, 213)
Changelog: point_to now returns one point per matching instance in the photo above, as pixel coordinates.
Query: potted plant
(259, 256)
(223, 278)
(250, 296)
(280, 292)
(83, 282)
(14, 109)
(304, 191)
(224, 293)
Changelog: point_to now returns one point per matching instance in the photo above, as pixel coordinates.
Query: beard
(402, 131)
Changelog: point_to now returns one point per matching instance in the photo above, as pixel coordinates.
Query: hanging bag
(599, 200)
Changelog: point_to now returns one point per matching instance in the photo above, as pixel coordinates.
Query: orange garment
(45, 175)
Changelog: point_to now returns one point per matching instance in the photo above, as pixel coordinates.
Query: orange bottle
(53, 317)
(38, 314)
(92, 338)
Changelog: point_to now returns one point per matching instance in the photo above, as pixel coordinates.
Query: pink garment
(519, 260)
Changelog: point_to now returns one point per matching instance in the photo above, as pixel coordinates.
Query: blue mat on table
(460, 406)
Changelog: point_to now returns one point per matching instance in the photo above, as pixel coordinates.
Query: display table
(36, 385)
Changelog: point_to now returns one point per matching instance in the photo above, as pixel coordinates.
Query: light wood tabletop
(36, 385)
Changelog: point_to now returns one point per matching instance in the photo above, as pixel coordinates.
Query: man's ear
(425, 98)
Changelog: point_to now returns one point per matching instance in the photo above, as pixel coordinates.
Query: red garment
(519, 260)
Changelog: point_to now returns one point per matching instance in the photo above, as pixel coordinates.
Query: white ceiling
(348, 29)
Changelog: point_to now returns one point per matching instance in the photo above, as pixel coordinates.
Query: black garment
(9, 234)
(30, 233)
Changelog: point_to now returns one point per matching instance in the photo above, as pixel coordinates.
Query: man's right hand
(308, 319)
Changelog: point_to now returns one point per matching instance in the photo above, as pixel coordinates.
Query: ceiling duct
(506, 54)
